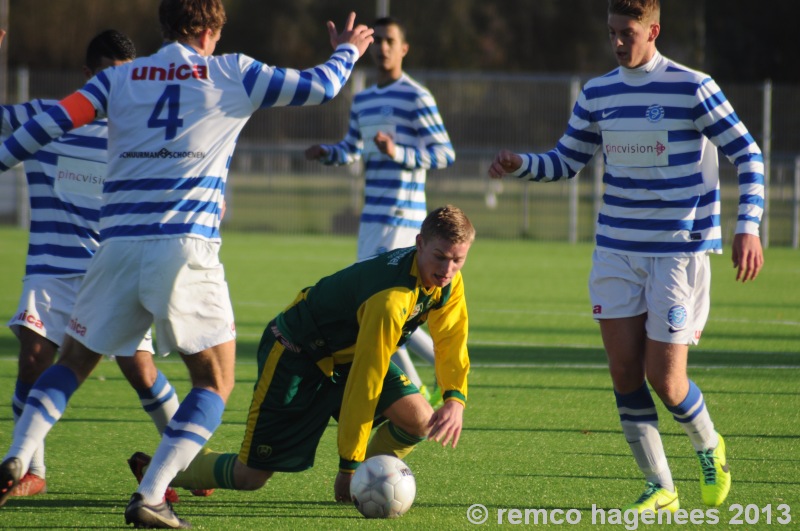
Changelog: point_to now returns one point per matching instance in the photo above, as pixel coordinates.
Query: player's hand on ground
(341, 487)
(747, 256)
(446, 423)
(360, 36)
(384, 143)
(316, 152)
(505, 162)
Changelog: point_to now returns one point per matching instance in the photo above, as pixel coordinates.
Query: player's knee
(671, 393)
(419, 418)
(626, 379)
(141, 375)
(250, 478)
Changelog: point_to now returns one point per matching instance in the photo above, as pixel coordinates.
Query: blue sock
(197, 418)
(160, 402)
(44, 406)
(692, 414)
(52, 391)
(21, 391)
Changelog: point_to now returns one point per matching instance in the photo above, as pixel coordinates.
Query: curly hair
(182, 19)
(110, 44)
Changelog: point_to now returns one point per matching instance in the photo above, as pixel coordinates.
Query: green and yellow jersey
(360, 315)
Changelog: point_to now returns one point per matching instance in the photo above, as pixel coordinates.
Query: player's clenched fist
(359, 36)
(505, 162)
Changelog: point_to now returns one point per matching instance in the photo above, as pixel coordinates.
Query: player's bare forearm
(747, 256)
(446, 423)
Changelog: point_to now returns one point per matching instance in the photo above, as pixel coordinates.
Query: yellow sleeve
(449, 327)
(381, 320)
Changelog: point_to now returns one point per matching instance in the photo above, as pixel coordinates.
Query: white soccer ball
(383, 487)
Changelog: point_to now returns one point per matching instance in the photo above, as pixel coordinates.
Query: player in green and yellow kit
(328, 355)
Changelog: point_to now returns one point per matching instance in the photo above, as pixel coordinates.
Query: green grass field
(541, 429)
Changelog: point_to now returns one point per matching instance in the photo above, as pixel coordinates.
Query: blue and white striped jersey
(174, 118)
(654, 124)
(394, 190)
(65, 182)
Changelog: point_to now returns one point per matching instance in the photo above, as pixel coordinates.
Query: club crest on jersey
(263, 451)
(180, 72)
(677, 317)
(654, 113)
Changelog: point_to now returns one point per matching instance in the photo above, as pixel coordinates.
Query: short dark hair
(641, 10)
(182, 19)
(391, 21)
(110, 44)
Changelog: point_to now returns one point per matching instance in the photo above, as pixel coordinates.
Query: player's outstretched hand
(2, 36)
(446, 423)
(360, 36)
(747, 256)
(341, 487)
(505, 162)
(316, 152)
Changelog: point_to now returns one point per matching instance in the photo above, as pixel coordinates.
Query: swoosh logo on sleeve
(608, 113)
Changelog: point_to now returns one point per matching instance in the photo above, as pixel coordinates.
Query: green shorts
(293, 402)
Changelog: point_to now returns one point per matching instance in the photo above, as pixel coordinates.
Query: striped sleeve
(350, 148)
(73, 111)
(574, 150)
(270, 86)
(716, 119)
(438, 152)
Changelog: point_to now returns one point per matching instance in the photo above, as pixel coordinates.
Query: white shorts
(45, 307)
(377, 238)
(178, 284)
(672, 290)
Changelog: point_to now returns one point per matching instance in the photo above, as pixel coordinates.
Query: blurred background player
(396, 129)
(659, 124)
(64, 234)
(158, 260)
(328, 355)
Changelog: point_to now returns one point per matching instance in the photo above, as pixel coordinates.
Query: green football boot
(715, 482)
(655, 498)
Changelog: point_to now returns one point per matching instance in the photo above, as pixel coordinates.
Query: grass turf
(541, 430)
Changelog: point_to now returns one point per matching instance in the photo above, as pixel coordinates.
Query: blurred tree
(734, 40)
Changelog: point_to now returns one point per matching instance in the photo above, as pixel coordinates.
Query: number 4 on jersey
(166, 112)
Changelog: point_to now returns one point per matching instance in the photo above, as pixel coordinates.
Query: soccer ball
(383, 487)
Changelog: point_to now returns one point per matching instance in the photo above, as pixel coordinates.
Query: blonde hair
(641, 10)
(448, 223)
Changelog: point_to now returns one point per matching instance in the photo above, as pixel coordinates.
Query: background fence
(273, 188)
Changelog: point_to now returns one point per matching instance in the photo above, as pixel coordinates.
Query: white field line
(586, 314)
(479, 310)
(605, 367)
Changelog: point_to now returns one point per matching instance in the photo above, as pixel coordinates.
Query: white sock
(421, 344)
(639, 420)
